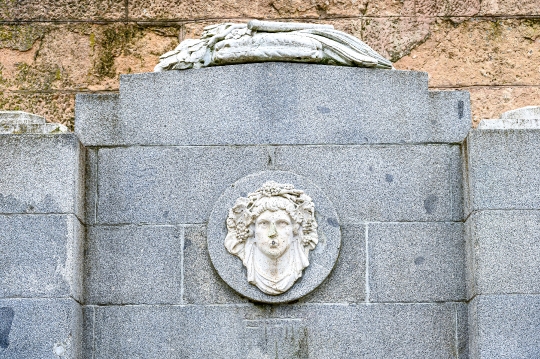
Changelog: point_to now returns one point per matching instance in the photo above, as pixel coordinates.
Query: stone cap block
(18, 122)
(510, 124)
(527, 112)
(527, 117)
(274, 103)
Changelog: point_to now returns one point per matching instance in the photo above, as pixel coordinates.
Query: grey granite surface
(504, 326)
(503, 252)
(503, 169)
(287, 331)
(40, 328)
(133, 265)
(41, 256)
(416, 262)
(96, 119)
(382, 183)
(41, 174)
(273, 103)
(169, 184)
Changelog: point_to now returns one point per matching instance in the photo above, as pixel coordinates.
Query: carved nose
(272, 232)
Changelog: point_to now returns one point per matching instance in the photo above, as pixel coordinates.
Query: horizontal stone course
(504, 326)
(382, 183)
(133, 265)
(416, 262)
(180, 184)
(321, 331)
(40, 328)
(502, 252)
(503, 169)
(284, 103)
(41, 174)
(40, 256)
(63, 10)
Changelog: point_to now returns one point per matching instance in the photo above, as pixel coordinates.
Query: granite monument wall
(106, 241)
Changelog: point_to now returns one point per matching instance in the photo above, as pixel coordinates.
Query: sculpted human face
(273, 233)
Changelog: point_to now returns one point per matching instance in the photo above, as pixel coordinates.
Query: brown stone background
(51, 50)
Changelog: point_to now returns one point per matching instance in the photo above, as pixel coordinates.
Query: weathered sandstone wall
(51, 50)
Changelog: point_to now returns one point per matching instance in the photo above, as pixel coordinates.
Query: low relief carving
(272, 231)
(260, 41)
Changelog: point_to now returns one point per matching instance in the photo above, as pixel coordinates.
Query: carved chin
(273, 252)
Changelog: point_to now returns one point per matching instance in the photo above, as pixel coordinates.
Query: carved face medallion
(272, 232)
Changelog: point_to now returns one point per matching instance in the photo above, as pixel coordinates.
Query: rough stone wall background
(51, 50)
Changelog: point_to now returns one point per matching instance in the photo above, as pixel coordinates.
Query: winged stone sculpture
(261, 41)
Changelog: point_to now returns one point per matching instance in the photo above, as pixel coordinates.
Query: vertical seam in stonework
(468, 178)
(456, 339)
(96, 178)
(366, 231)
(93, 332)
(183, 229)
(451, 183)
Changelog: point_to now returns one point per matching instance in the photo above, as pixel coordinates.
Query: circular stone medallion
(321, 258)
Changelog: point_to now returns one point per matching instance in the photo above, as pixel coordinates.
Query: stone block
(448, 109)
(279, 103)
(421, 8)
(439, 49)
(96, 119)
(87, 342)
(41, 174)
(215, 11)
(382, 183)
(416, 262)
(347, 281)
(291, 331)
(40, 328)
(63, 10)
(40, 256)
(503, 249)
(504, 326)
(510, 7)
(202, 284)
(169, 184)
(503, 169)
(133, 265)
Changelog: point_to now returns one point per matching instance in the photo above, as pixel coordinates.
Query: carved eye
(282, 224)
(262, 224)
